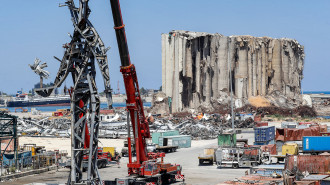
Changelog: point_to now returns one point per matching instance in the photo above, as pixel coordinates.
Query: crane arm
(134, 103)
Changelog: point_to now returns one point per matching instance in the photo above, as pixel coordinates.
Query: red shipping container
(269, 148)
(295, 134)
(257, 118)
(313, 164)
(307, 182)
(325, 133)
(251, 151)
(107, 111)
(307, 123)
(261, 124)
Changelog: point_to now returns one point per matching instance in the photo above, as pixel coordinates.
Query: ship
(23, 100)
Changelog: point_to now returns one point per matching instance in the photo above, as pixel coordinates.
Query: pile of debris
(202, 126)
(42, 126)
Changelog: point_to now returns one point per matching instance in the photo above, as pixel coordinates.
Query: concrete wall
(196, 69)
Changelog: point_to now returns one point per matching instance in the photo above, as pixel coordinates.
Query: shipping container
(155, 136)
(316, 144)
(290, 149)
(227, 140)
(325, 134)
(288, 125)
(325, 181)
(111, 150)
(313, 164)
(294, 134)
(271, 142)
(24, 158)
(182, 141)
(261, 124)
(279, 145)
(264, 134)
(307, 123)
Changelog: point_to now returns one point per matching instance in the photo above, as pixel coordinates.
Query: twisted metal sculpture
(39, 70)
(79, 58)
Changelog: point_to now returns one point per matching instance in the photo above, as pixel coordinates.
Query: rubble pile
(303, 111)
(202, 126)
(44, 126)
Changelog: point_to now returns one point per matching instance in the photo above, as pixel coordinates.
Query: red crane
(145, 165)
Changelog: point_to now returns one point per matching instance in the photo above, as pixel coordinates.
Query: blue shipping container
(264, 134)
(316, 144)
(24, 158)
(271, 142)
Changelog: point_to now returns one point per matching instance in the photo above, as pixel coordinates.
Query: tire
(235, 165)
(201, 162)
(104, 164)
(211, 162)
(99, 165)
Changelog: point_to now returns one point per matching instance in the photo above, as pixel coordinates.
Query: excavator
(146, 169)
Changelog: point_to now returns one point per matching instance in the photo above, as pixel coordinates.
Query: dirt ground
(187, 157)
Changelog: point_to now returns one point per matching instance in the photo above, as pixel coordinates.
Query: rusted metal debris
(300, 165)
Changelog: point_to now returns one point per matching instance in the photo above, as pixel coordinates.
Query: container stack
(227, 140)
(264, 135)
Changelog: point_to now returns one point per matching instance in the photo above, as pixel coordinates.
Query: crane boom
(134, 103)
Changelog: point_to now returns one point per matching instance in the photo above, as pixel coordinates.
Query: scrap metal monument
(8, 132)
(79, 58)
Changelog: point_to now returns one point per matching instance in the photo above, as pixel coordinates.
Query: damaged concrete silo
(195, 68)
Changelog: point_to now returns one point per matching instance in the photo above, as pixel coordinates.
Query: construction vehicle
(146, 168)
(104, 157)
(238, 157)
(124, 150)
(208, 156)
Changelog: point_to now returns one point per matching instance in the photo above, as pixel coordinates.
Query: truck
(124, 150)
(238, 157)
(104, 157)
(208, 156)
(151, 147)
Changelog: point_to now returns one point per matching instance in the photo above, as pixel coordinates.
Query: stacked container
(316, 144)
(290, 149)
(182, 141)
(157, 135)
(227, 140)
(264, 135)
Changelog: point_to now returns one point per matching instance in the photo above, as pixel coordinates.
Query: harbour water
(54, 108)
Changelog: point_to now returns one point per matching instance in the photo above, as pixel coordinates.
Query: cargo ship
(23, 100)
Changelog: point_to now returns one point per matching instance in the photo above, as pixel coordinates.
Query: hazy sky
(38, 28)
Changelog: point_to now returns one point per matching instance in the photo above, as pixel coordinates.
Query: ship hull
(38, 103)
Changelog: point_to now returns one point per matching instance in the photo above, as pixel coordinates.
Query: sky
(39, 28)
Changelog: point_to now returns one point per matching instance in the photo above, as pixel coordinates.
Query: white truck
(238, 157)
